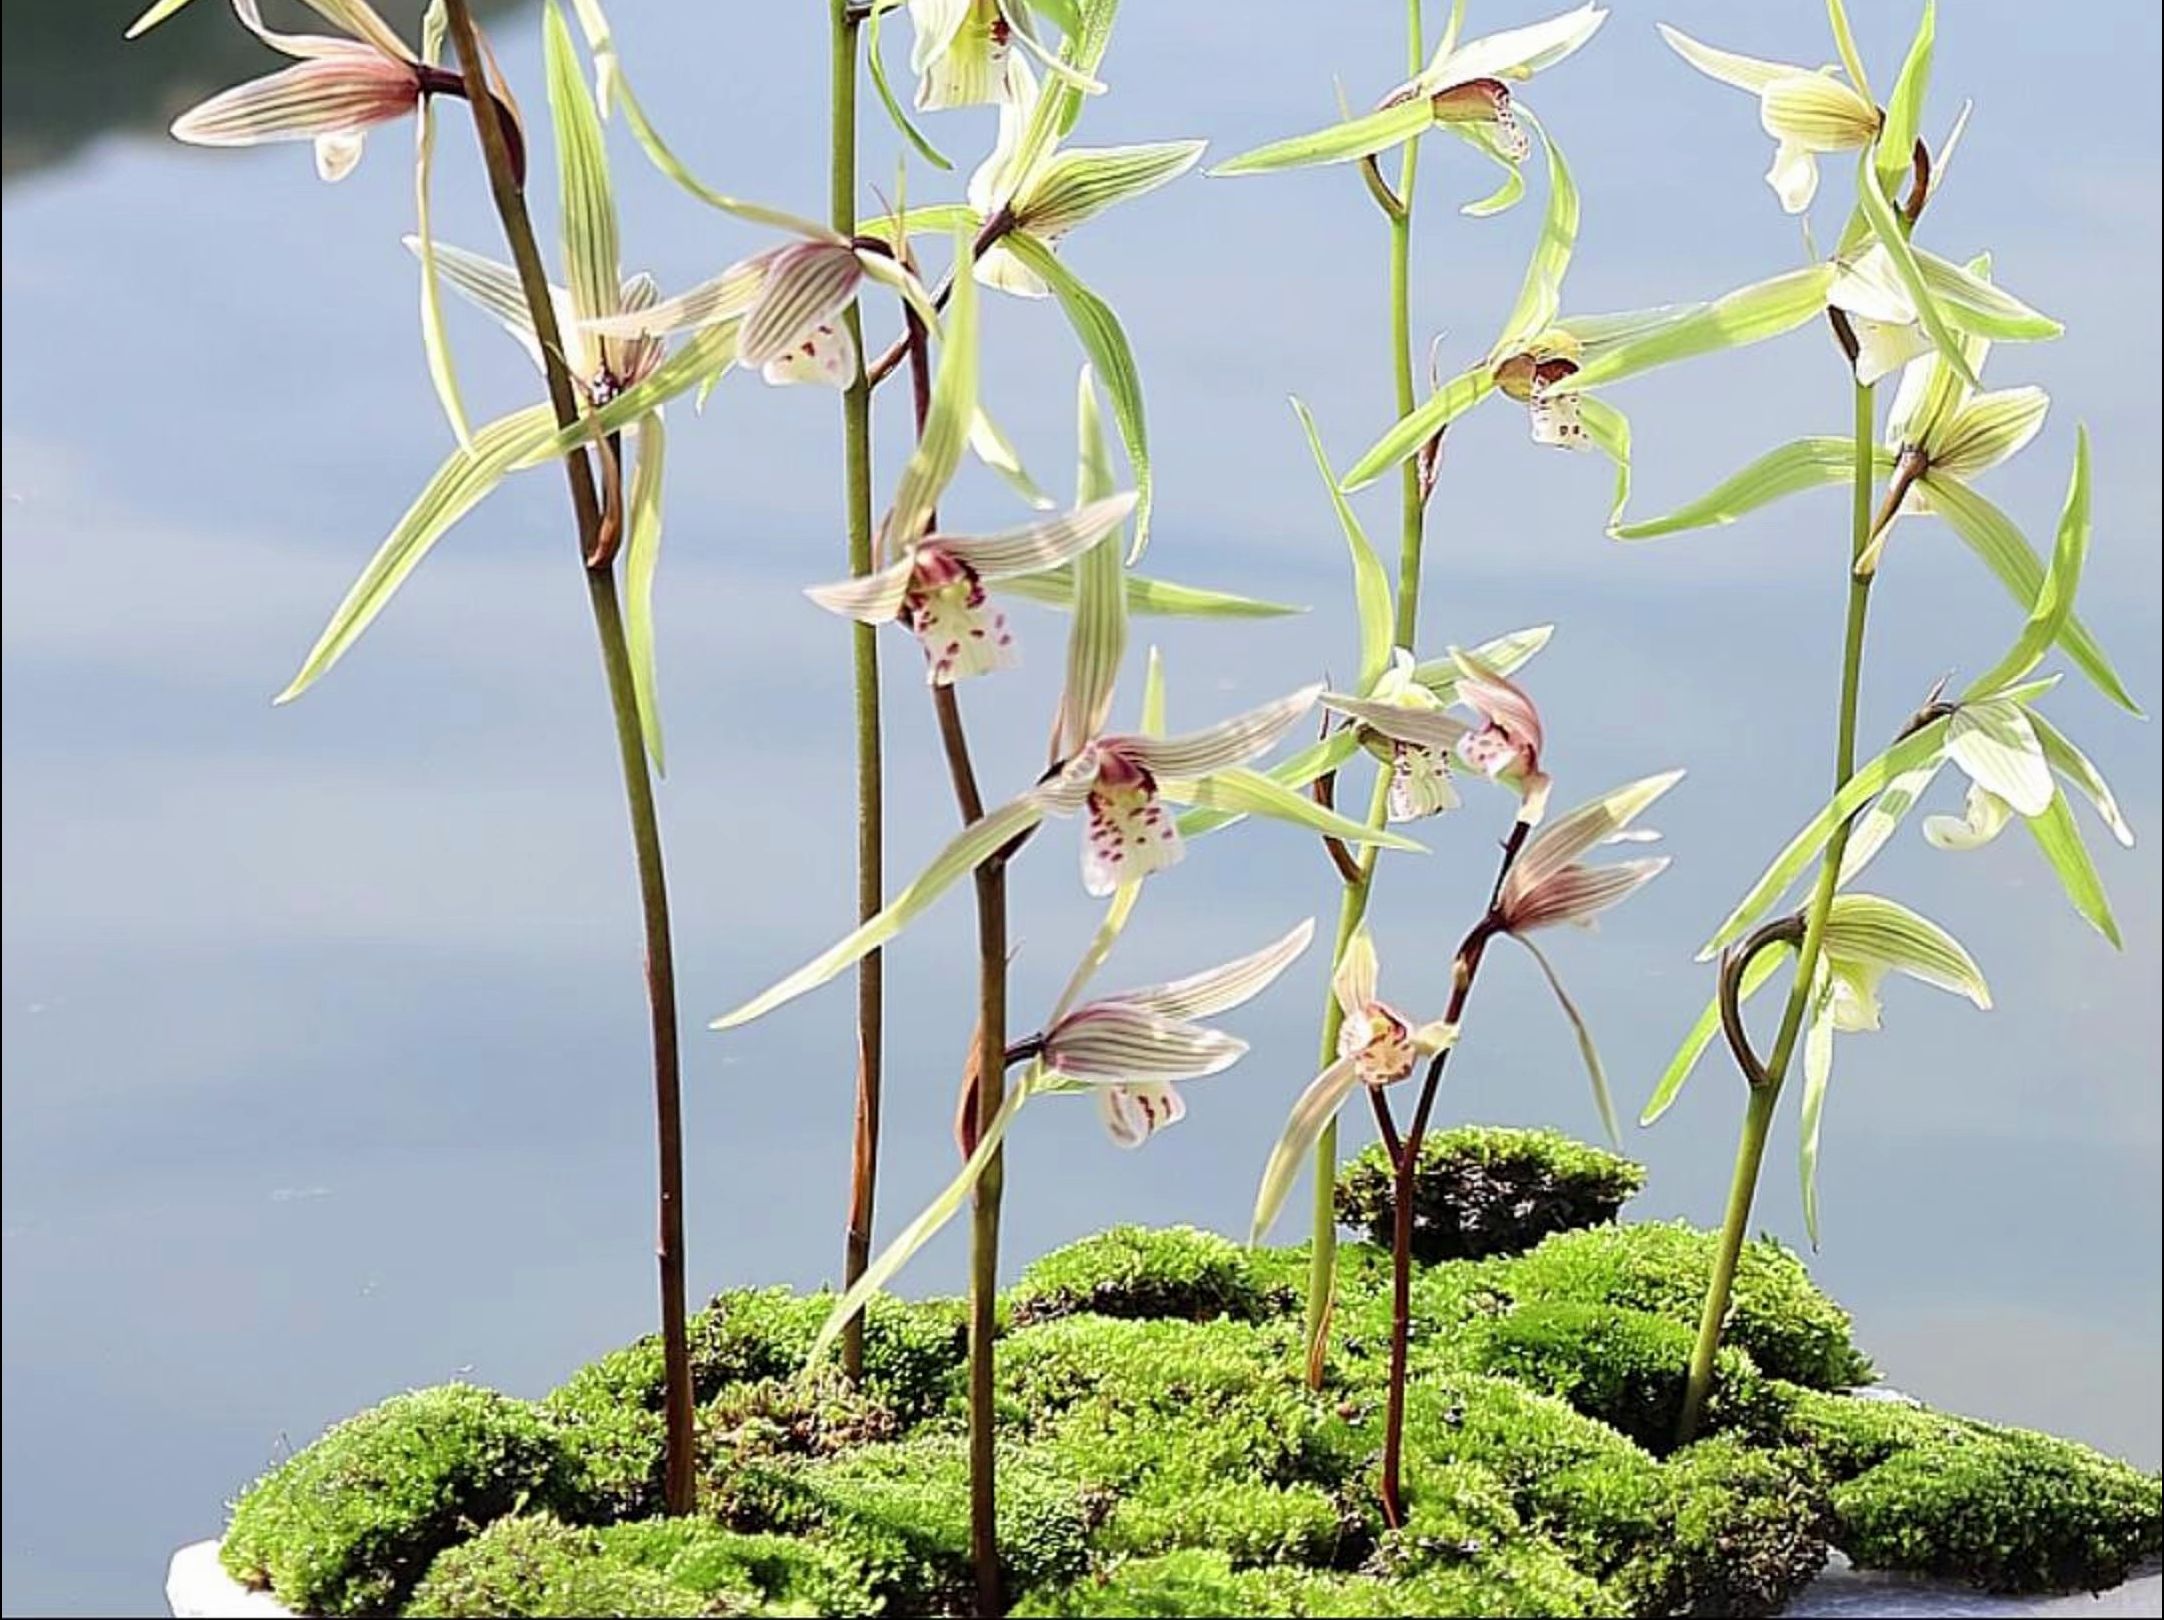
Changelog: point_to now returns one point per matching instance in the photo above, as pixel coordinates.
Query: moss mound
(1162, 1454)
(1479, 1190)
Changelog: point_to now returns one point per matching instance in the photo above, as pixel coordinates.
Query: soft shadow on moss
(1163, 1455)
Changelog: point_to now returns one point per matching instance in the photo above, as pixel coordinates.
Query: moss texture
(1479, 1190)
(1163, 1455)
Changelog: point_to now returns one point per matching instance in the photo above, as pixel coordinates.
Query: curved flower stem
(864, 652)
(1766, 1091)
(490, 124)
(1353, 904)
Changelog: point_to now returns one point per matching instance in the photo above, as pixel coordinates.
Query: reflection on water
(322, 1024)
(70, 77)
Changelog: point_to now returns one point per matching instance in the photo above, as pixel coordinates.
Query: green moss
(1481, 1190)
(1200, 1582)
(1247, 1520)
(1131, 1271)
(1625, 1367)
(1735, 1532)
(1788, 1327)
(532, 1565)
(349, 1524)
(2003, 1509)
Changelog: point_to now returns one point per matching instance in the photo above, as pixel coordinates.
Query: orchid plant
(1893, 308)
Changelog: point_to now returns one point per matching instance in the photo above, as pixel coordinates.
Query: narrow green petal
(1500, 655)
(2071, 763)
(1904, 108)
(1080, 184)
(969, 849)
(1893, 236)
(591, 256)
(1752, 314)
(1344, 142)
(1609, 431)
(642, 555)
(459, 485)
(1105, 342)
(1430, 417)
(1250, 792)
(1817, 1073)
(435, 340)
(938, 451)
(2059, 837)
(1097, 637)
(2054, 604)
(1371, 583)
(1540, 295)
(1595, 1070)
(1793, 468)
(1991, 534)
(1155, 598)
(922, 1230)
(1868, 782)
(1886, 813)
(153, 16)
(885, 91)
(1980, 307)
(1298, 770)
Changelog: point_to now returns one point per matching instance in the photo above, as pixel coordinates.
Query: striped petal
(1994, 742)
(1571, 835)
(1423, 728)
(1229, 742)
(1108, 1041)
(1035, 547)
(806, 285)
(329, 94)
(1220, 989)
(1516, 53)
(869, 599)
(727, 295)
(1318, 1105)
(1578, 894)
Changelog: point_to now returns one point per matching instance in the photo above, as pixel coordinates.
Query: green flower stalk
(1894, 308)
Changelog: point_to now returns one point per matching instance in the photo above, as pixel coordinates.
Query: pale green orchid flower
(1464, 89)
(1807, 113)
(966, 54)
(338, 89)
(1404, 723)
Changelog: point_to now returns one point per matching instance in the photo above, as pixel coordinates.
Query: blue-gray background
(323, 1031)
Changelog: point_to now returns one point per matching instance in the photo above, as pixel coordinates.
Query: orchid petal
(1318, 1105)
(1220, 989)
(1230, 742)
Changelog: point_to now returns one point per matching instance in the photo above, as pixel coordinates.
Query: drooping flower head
(1549, 883)
(1506, 745)
(1132, 1048)
(1807, 113)
(338, 89)
(937, 588)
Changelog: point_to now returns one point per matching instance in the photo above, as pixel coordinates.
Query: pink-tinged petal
(807, 283)
(962, 632)
(711, 302)
(1500, 702)
(827, 356)
(1111, 1041)
(630, 360)
(871, 599)
(341, 94)
(356, 17)
(1577, 894)
(1229, 742)
(1134, 1113)
(1220, 989)
(1035, 547)
(1129, 832)
(1570, 835)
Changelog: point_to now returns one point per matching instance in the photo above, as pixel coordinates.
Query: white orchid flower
(1133, 1048)
(937, 588)
(1125, 783)
(1377, 1046)
(1404, 723)
(1807, 113)
(338, 89)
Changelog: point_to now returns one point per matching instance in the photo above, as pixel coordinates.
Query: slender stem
(1405, 1166)
(988, 1091)
(1758, 1115)
(490, 124)
(864, 653)
(1353, 903)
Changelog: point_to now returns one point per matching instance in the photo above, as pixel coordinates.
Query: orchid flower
(1506, 746)
(965, 54)
(1464, 89)
(1123, 784)
(1403, 723)
(1377, 1046)
(338, 89)
(1133, 1048)
(937, 588)
(1807, 113)
(1549, 884)
(1045, 191)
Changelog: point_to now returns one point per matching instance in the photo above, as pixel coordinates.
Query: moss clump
(1250, 1522)
(1480, 1190)
(1200, 1582)
(532, 1565)
(1129, 1271)
(348, 1525)
(1780, 1318)
(2004, 1509)
(1626, 1368)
